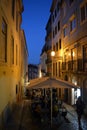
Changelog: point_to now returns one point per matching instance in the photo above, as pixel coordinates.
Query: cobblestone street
(25, 120)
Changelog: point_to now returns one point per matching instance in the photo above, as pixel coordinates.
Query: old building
(69, 41)
(43, 58)
(46, 50)
(24, 62)
(32, 71)
(13, 53)
(74, 41)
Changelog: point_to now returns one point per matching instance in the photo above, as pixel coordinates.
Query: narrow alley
(43, 64)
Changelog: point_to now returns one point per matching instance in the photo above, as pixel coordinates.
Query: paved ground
(22, 119)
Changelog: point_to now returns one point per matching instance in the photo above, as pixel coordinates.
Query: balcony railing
(63, 65)
(74, 65)
(80, 65)
(70, 65)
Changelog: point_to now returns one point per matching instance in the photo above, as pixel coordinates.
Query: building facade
(24, 62)
(46, 50)
(43, 58)
(32, 71)
(11, 52)
(69, 41)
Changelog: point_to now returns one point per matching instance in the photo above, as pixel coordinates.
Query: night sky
(34, 20)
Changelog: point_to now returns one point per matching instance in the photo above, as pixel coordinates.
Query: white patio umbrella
(47, 82)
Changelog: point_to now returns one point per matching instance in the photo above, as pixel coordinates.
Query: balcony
(63, 65)
(74, 65)
(80, 65)
(70, 65)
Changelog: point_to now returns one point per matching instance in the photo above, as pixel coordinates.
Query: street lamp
(52, 55)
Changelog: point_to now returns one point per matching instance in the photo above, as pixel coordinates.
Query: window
(53, 18)
(53, 34)
(55, 30)
(64, 10)
(57, 46)
(17, 21)
(16, 55)
(58, 25)
(85, 51)
(85, 57)
(54, 48)
(56, 68)
(16, 88)
(3, 44)
(13, 8)
(72, 24)
(65, 31)
(83, 11)
(60, 44)
(12, 50)
(74, 58)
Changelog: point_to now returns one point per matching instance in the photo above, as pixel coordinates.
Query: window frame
(12, 50)
(58, 25)
(4, 35)
(73, 23)
(83, 5)
(65, 31)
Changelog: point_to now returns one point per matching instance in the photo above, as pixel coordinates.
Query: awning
(47, 82)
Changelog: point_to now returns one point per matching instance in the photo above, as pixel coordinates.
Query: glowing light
(75, 83)
(52, 53)
(40, 74)
(27, 83)
(61, 52)
(78, 93)
(73, 53)
(69, 54)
